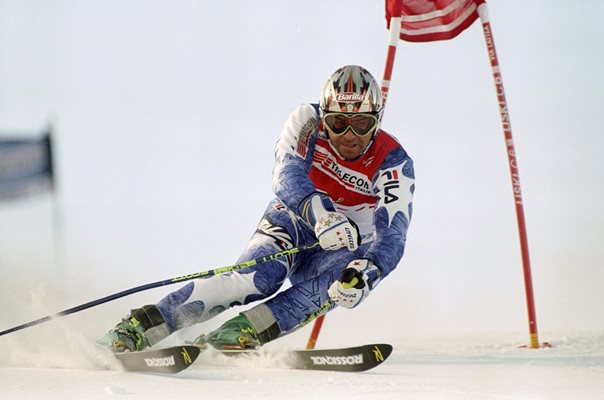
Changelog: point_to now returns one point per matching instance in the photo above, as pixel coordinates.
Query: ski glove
(333, 229)
(354, 284)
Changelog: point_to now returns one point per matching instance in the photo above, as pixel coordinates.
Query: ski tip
(381, 351)
(189, 353)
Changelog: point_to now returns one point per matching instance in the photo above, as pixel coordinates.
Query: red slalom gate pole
(395, 32)
(314, 335)
(513, 165)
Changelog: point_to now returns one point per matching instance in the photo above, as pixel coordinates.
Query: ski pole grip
(351, 284)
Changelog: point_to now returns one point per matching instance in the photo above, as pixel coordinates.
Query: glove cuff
(314, 207)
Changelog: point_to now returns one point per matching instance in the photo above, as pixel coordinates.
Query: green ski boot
(235, 334)
(144, 327)
(128, 335)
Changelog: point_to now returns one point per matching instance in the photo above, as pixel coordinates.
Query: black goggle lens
(360, 124)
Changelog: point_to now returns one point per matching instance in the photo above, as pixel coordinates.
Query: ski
(169, 360)
(174, 359)
(347, 359)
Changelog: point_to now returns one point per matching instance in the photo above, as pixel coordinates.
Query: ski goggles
(360, 124)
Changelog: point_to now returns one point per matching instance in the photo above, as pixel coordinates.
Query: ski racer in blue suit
(339, 180)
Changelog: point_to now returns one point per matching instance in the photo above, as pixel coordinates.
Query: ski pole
(196, 275)
(320, 312)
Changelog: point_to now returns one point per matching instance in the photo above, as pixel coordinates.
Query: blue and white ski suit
(375, 191)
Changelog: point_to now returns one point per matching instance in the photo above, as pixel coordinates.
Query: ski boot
(235, 334)
(247, 331)
(142, 328)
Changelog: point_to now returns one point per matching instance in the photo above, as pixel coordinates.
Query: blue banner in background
(25, 166)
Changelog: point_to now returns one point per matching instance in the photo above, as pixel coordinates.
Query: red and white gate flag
(429, 20)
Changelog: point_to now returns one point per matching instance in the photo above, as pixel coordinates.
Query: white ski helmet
(352, 89)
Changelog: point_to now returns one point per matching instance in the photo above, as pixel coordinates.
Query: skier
(338, 179)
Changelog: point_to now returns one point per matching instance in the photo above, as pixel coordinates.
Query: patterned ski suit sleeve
(394, 184)
(293, 157)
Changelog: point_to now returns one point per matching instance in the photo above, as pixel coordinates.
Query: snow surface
(452, 368)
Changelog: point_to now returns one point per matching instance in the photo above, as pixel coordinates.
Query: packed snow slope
(451, 368)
